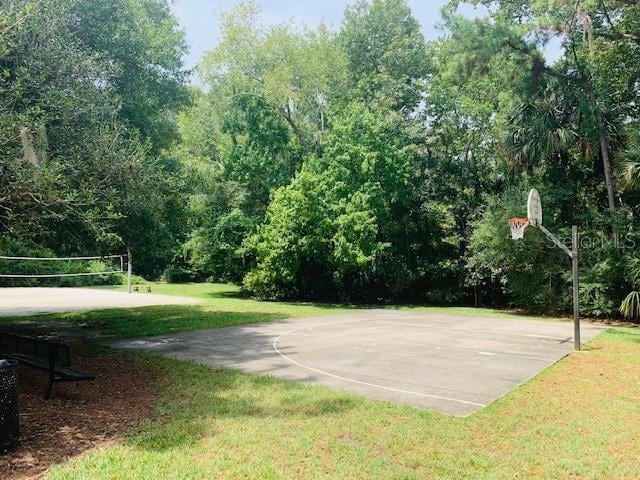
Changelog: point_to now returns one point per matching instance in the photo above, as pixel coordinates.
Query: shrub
(176, 274)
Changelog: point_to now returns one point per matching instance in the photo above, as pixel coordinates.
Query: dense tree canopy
(386, 52)
(88, 98)
(356, 164)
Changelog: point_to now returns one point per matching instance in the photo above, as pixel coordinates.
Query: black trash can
(9, 422)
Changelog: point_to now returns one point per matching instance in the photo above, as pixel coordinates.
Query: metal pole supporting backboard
(556, 240)
(576, 287)
(129, 272)
(573, 255)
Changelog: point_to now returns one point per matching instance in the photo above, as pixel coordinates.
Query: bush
(217, 249)
(175, 274)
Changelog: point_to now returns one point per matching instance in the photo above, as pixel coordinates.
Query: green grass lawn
(226, 296)
(222, 306)
(578, 419)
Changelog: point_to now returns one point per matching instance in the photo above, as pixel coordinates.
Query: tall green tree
(270, 94)
(77, 172)
(599, 39)
(386, 51)
(345, 227)
(297, 73)
(144, 45)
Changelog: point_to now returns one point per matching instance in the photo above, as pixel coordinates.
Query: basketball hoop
(534, 219)
(518, 226)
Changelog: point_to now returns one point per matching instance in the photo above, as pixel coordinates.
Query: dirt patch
(79, 416)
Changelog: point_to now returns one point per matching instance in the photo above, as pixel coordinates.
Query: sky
(200, 17)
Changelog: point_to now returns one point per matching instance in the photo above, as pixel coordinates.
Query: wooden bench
(45, 355)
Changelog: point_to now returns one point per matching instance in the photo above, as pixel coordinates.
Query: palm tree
(630, 164)
(540, 132)
(630, 307)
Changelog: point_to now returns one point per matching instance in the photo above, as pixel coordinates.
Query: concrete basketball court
(446, 363)
(35, 300)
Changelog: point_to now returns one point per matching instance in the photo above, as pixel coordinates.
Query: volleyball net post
(129, 271)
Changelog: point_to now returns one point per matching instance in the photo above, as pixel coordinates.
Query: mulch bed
(79, 416)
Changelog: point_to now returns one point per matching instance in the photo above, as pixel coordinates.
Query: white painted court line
(352, 380)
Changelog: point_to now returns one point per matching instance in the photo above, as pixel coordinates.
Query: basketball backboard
(534, 208)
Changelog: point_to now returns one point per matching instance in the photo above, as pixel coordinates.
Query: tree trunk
(604, 151)
(608, 171)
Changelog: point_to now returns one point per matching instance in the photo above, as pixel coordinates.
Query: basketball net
(518, 227)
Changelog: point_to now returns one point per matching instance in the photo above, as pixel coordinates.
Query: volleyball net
(23, 270)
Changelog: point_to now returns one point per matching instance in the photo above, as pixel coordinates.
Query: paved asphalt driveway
(447, 363)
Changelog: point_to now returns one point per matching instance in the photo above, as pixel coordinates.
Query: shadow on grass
(197, 398)
(329, 306)
(588, 347)
(159, 320)
(238, 295)
(138, 322)
(627, 334)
